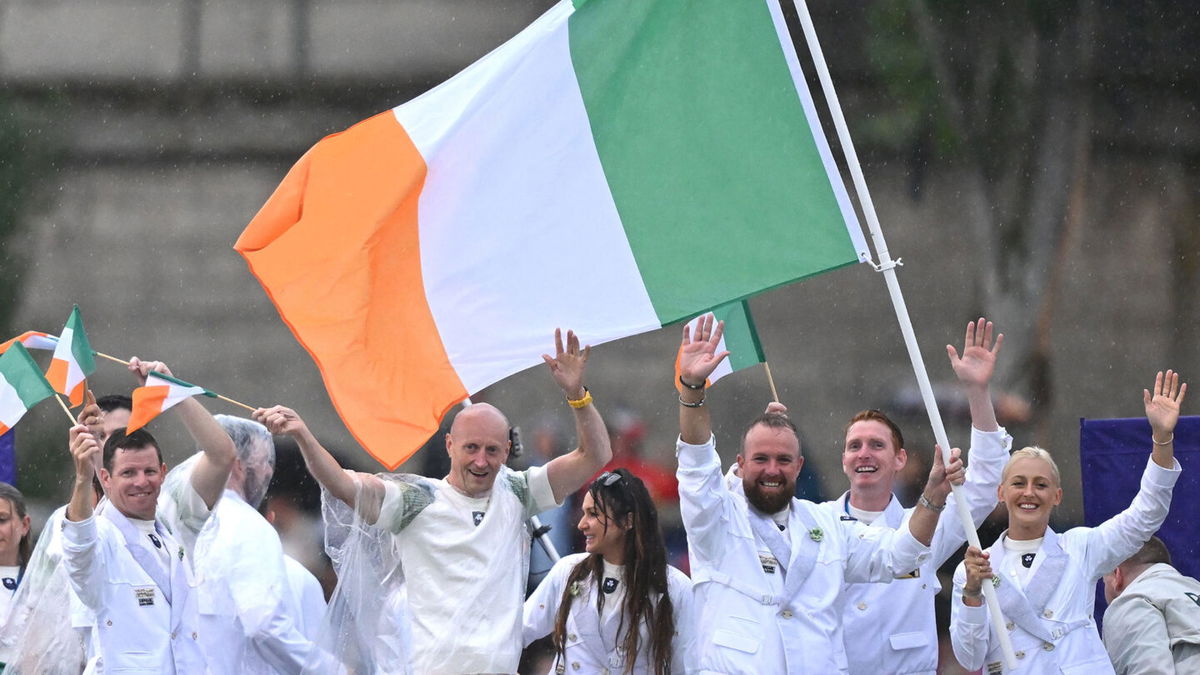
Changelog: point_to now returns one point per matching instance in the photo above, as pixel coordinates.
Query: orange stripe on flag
(56, 375)
(4, 428)
(352, 293)
(147, 404)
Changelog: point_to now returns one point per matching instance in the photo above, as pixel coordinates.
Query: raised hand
(568, 365)
(141, 368)
(978, 361)
(85, 450)
(698, 356)
(942, 476)
(280, 421)
(91, 415)
(1162, 405)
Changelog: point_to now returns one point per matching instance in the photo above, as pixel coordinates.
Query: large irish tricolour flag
(617, 166)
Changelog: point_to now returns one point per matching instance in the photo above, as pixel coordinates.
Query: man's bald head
(478, 444)
(480, 413)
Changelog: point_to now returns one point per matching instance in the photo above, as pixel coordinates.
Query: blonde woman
(1045, 581)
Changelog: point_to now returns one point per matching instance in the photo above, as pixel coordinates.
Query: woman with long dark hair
(618, 607)
(15, 545)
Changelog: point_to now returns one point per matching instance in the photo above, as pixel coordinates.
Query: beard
(769, 502)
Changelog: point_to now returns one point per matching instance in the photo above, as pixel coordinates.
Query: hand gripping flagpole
(888, 267)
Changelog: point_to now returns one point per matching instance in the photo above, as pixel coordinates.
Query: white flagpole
(888, 267)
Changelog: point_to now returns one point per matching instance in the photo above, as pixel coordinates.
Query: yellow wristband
(584, 402)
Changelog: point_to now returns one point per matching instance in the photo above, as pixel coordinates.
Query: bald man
(460, 541)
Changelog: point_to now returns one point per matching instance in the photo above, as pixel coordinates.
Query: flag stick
(771, 381)
(237, 403)
(888, 267)
(66, 410)
(111, 358)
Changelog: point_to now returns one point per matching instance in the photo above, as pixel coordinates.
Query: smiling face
(602, 534)
(134, 481)
(12, 528)
(769, 464)
(870, 458)
(1029, 490)
(478, 446)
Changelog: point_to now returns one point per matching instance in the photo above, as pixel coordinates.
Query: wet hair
(772, 420)
(255, 449)
(111, 402)
(14, 497)
(1033, 452)
(125, 441)
(875, 415)
(1152, 552)
(622, 497)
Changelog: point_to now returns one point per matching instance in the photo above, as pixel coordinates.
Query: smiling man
(891, 628)
(768, 568)
(460, 542)
(124, 563)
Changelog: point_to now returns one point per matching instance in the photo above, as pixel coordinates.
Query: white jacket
(891, 628)
(137, 629)
(593, 648)
(1050, 621)
(1154, 625)
(753, 620)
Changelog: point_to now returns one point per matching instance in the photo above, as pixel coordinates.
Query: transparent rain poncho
(439, 594)
(39, 637)
(237, 559)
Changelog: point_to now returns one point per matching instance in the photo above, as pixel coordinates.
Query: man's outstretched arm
(567, 473)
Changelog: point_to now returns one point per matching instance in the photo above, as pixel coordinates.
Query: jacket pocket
(912, 640)
(739, 636)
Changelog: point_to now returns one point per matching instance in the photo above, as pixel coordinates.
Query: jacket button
(194, 636)
(1009, 625)
(575, 665)
(862, 606)
(1048, 646)
(1049, 614)
(571, 637)
(1020, 655)
(787, 614)
(172, 636)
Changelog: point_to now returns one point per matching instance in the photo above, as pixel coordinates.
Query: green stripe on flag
(176, 380)
(741, 338)
(22, 372)
(80, 348)
(706, 148)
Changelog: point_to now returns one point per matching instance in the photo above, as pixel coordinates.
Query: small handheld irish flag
(740, 338)
(32, 339)
(73, 360)
(21, 385)
(158, 394)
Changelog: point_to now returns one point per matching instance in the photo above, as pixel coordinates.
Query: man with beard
(768, 568)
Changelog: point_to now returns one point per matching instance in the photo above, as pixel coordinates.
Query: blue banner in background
(1112, 456)
(8, 457)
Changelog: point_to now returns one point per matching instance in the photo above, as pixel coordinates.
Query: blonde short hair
(1034, 452)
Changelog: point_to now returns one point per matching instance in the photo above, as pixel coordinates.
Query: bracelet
(693, 387)
(924, 501)
(1166, 442)
(685, 404)
(974, 595)
(584, 402)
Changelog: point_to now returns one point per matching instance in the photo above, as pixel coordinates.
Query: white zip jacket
(755, 614)
(891, 628)
(1050, 620)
